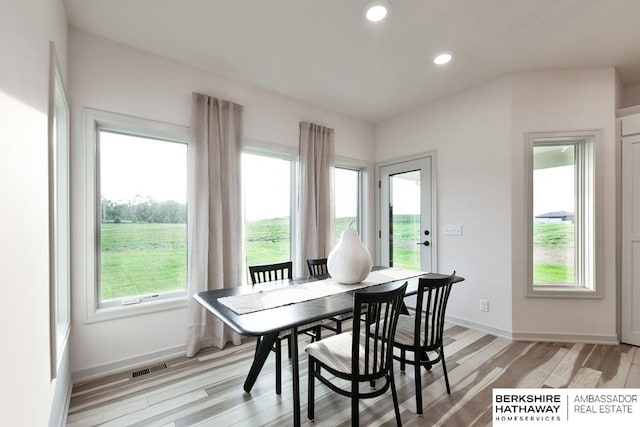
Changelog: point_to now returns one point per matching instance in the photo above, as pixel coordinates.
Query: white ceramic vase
(350, 261)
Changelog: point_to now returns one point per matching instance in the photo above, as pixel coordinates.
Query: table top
(272, 320)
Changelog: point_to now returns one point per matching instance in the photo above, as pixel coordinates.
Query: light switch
(452, 230)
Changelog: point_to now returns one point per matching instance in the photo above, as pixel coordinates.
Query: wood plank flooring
(207, 390)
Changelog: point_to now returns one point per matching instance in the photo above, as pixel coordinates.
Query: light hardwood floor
(207, 390)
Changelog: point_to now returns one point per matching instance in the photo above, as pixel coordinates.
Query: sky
(125, 160)
(406, 193)
(553, 190)
(265, 196)
(162, 176)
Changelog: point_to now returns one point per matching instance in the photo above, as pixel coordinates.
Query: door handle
(426, 243)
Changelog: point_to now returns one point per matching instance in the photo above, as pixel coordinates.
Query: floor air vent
(148, 371)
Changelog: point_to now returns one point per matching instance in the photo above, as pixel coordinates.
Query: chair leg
(444, 368)
(355, 407)
(418, 381)
(318, 337)
(403, 356)
(394, 395)
(311, 390)
(338, 326)
(289, 346)
(278, 366)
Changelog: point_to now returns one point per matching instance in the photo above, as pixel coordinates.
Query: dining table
(264, 310)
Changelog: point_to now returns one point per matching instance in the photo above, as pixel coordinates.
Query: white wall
(112, 77)
(471, 134)
(27, 392)
(479, 138)
(557, 101)
(631, 96)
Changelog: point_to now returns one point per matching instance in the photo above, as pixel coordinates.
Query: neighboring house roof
(559, 214)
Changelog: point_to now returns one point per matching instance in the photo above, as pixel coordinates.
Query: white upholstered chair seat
(335, 352)
(405, 328)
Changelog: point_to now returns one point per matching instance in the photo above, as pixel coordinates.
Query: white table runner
(266, 299)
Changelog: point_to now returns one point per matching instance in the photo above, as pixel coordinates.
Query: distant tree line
(144, 209)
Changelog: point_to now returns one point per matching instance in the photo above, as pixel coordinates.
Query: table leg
(296, 377)
(262, 352)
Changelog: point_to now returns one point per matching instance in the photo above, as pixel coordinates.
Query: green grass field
(553, 238)
(142, 259)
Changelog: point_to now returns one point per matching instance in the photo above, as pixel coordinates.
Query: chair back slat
(373, 333)
(270, 272)
(317, 267)
(431, 304)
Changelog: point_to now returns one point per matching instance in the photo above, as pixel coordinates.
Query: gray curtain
(316, 193)
(214, 214)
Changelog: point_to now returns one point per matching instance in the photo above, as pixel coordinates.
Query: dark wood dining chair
(281, 271)
(318, 268)
(422, 333)
(270, 272)
(364, 355)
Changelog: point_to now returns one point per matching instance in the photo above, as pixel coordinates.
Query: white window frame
(363, 188)
(587, 230)
(277, 151)
(264, 148)
(94, 121)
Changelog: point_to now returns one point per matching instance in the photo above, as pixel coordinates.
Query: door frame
(627, 333)
(434, 203)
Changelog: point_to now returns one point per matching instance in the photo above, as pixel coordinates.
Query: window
(267, 185)
(59, 243)
(137, 175)
(562, 226)
(143, 217)
(347, 191)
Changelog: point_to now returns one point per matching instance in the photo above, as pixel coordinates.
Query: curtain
(316, 193)
(215, 241)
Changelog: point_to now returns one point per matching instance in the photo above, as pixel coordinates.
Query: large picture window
(267, 186)
(137, 223)
(143, 217)
(562, 225)
(347, 190)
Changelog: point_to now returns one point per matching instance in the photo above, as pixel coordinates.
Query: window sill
(562, 292)
(124, 311)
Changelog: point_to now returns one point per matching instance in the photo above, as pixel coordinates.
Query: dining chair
(422, 333)
(318, 268)
(270, 272)
(281, 271)
(363, 355)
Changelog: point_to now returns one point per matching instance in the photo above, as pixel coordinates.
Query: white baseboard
(537, 336)
(566, 337)
(60, 419)
(62, 386)
(480, 327)
(128, 364)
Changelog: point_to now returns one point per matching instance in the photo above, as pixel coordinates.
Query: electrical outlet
(484, 305)
(452, 230)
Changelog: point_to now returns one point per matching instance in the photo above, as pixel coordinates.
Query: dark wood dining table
(269, 322)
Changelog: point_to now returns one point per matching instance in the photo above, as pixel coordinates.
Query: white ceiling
(323, 52)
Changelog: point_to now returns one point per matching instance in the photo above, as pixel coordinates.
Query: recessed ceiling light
(376, 10)
(442, 58)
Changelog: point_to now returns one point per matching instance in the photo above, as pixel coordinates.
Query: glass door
(405, 215)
